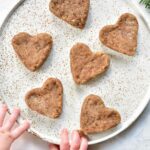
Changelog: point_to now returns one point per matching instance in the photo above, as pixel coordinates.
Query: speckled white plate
(125, 86)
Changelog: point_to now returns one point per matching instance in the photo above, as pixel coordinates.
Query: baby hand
(7, 133)
(77, 143)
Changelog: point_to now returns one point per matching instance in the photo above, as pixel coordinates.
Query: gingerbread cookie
(85, 64)
(74, 12)
(122, 36)
(96, 117)
(46, 100)
(32, 50)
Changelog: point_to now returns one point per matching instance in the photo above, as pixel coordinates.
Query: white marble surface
(137, 137)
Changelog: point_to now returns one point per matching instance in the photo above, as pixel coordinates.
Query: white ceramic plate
(125, 86)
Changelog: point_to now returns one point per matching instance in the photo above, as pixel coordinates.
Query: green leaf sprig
(146, 3)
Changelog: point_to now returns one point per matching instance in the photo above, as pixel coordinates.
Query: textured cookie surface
(32, 50)
(85, 64)
(74, 12)
(46, 100)
(95, 117)
(122, 36)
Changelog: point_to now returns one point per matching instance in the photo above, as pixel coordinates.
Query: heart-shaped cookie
(74, 12)
(32, 50)
(86, 65)
(46, 100)
(122, 36)
(95, 117)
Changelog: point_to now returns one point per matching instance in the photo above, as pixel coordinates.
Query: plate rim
(125, 126)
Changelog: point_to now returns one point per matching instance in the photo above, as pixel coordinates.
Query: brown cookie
(32, 50)
(74, 12)
(95, 117)
(122, 36)
(46, 100)
(85, 64)
(82, 134)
